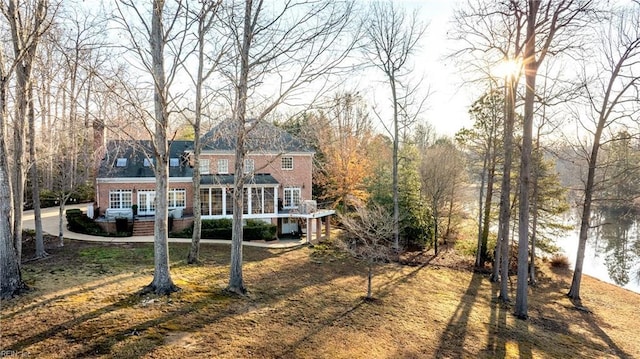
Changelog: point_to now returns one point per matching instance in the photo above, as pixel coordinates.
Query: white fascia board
(142, 180)
(258, 153)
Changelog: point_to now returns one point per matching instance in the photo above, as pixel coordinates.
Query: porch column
(309, 230)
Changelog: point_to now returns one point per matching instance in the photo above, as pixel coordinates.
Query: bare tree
(527, 31)
(440, 168)
(368, 237)
(79, 48)
(289, 46)
(10, 276)
(612, 97)
(207, 65)
(393, 37)
(552, 27)
(491, 36)
(166, 30)
(27, 22)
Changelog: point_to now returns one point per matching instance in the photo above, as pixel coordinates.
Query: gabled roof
(131, 159)
(263, 137)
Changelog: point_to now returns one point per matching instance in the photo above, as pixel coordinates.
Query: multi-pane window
(177, 198)
(121, 162)
(216, 201)
(174, 162)
(291, 197)
(287, 163)
(249, 165)
(204, 167)
(223, 166)
(269, 202)
(120, 198)
(205, 210)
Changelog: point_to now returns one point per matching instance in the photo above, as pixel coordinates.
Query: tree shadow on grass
(37, 302)
(496, 343)
(105, 332)
(588, 318)
(452, 339)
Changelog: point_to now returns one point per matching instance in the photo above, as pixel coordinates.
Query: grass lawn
(303, 303)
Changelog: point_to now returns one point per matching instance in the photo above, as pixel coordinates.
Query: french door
(146, 203)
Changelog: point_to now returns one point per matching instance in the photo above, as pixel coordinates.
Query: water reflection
(618, 240)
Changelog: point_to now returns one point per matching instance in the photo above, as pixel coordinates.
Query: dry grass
(559, 261)
(303, 303)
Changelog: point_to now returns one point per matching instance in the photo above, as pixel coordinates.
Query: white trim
(258, 153)
(319, 214)
(142, 180)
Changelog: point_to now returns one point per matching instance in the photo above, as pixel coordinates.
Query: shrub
(216, 223)
(559, 261)
(469, 246)
(222, 229)
(78, 222)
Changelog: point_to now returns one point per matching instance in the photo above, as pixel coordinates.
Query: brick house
(278, 185)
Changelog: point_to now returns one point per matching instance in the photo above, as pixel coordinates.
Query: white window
(204, 167)
(120, 198)
(287, 163)
(121, 162)
(177, 198)
(174, 162)
(291, 197)
(223, 166)
(249, 165)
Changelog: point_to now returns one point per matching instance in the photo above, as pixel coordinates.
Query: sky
(448, 101)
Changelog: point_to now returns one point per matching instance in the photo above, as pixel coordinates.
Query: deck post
(327, 227)
(318, 229)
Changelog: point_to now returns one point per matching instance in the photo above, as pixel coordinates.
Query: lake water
(613, 250)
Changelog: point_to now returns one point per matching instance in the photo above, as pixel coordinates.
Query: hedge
(78, 222)
(222, 229)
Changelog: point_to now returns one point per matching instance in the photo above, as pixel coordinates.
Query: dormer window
(121, 162)
(174, 162)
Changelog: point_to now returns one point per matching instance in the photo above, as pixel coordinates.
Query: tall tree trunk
(530, 65)
(194, 250)
(452, 195)
(369, 280)
(487, 212)
(25, 42)
(534, 209)
(394, 170)
(236, 281)
(162, 283)
(61, 207)
(35, 181)
(435, 229)
(574, 291)
(10, 276)
(501, 261)
(19, 165)
(479, 261)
